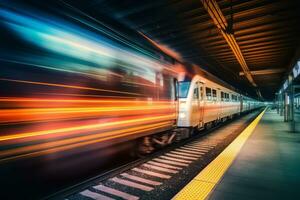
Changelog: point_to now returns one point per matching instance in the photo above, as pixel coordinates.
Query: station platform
(262, 163)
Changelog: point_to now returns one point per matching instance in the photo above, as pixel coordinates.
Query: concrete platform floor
(268, 165)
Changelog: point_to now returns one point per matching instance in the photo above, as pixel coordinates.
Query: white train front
(203, 102)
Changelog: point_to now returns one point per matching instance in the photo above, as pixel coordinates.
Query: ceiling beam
(220, 21)
(264, 71)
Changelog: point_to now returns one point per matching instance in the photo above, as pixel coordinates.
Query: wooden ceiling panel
(267, 32)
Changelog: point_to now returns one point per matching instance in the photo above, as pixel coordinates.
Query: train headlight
(183, 104)
(182, 115)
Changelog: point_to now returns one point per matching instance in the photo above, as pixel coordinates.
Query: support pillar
(277, 102)
(281, 104)
(286, 107)
(292, 109)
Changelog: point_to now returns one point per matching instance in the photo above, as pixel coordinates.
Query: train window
(208, 93)
(226, 96)
(234, 98)
(214, 94)
(196, 93)
(168, 90)
(222, 96)
(183, 89)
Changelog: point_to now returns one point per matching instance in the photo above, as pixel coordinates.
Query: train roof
(193, 70)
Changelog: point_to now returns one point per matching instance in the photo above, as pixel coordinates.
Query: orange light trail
(67, 86)
(44, 151)
(99, 120)
(83, 140)
(85, 127)
(39, 114)
(20, 99)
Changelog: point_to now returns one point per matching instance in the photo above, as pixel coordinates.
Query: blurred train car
(78, 84)
(68, 84)
(74, 91)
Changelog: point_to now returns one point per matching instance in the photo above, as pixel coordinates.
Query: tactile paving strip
(201, 186)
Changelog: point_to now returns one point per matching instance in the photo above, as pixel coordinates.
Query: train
(205, 101)
(70, 84)
(81, 93)
(202, 102)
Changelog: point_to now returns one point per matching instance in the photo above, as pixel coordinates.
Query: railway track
(162, 174)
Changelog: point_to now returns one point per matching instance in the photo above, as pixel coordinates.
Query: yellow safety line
(202, 185)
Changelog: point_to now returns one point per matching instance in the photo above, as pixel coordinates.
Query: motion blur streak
(69, 86)
(51, 147)
(35, 100)
(78, 95)
(67, 40)
(66, 86)
(17, 115)
(92, 127)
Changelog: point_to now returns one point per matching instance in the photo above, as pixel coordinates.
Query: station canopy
(251, 44)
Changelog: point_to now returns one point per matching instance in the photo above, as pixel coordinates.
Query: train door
(200, 103)
(195, 107)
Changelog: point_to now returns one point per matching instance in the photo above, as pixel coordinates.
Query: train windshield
(183, 89)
